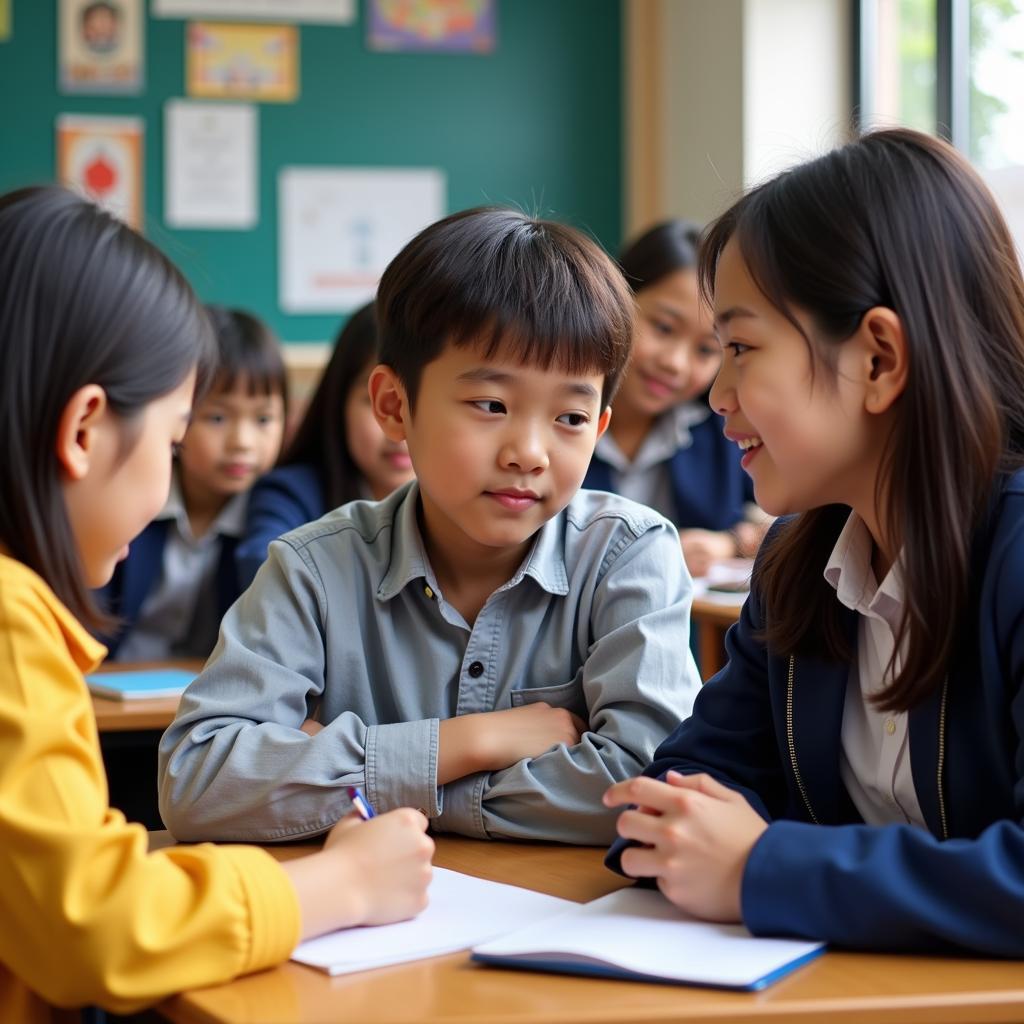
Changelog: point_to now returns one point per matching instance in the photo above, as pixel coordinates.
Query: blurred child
(854, 774)
(338, 454)
(486, 643)
(99, 339)
(180, 577)
(664, 447)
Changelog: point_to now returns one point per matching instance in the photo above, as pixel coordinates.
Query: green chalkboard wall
(538, 124)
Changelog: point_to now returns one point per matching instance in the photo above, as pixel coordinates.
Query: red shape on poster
(100, 176)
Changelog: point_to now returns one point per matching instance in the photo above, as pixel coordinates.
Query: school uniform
(886, 831)
(282, 500)
(346, 619)
(173, 588)
(686, 469)
(89, 916)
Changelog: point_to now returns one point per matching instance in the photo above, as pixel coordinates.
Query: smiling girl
(855, 771)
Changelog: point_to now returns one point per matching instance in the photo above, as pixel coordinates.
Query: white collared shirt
(180, 617)
(647, 478)
(875, 758)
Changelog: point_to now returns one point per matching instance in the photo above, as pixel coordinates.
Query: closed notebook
(155, 682)
(637, 934)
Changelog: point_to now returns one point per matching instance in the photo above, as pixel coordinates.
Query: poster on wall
(251, 62)
(210, 172)
(101, 157)
(100, 46)
(323, 12)
(5, 20)
(439, 26)
(340, 227)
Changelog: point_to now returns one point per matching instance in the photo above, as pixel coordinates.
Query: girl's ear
(389, 401)
(886, 359)
(78, 430)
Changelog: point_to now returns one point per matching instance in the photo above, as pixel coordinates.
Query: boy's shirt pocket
(563, 695)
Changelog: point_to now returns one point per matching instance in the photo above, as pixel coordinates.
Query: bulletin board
(536, 123)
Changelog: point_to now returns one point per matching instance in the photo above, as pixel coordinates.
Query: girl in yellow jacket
(100, 337)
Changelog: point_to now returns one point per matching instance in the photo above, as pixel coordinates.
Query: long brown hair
(895, 219)
(83, 300)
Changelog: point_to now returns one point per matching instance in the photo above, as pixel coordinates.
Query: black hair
(539, 291)
(84, 300)
(320, 439)
(247, 351)
(661, 250)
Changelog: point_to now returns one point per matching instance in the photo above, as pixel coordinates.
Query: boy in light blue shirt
(488, 644)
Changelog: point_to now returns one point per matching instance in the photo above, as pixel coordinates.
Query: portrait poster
(438, 26)
(340, 227)
(247, 62)
(101, 157)
(210, 175)
(322, 12)
(100, 46)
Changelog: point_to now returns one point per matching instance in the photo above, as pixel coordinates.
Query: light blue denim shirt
(345, 620)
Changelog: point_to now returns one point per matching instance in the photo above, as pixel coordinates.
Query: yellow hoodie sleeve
(89, 916)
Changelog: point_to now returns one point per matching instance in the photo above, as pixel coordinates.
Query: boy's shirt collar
(545, 561)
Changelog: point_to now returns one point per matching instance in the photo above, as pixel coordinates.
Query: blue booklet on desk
(637, 934)
(153, 682)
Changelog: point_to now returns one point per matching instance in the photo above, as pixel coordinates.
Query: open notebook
(637, 934)
(463, 910)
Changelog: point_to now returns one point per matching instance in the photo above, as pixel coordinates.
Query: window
(954, 67)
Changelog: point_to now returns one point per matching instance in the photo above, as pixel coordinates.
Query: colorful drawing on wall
(101, 157)
(250, 62)
(340, 227)
(324, 12)
(100, 48)
(440, 26)
(5, 20)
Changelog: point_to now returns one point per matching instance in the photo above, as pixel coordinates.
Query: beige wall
(721, 93)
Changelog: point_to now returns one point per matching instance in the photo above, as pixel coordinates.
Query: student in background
(338, 454)
(99, 338)
(486, 643)
(664, 447)
(180, 575)
(854, 774)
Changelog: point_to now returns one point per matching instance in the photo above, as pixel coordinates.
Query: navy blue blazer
(135, 577)
(283, 499)
(709, 485)
(893, 887)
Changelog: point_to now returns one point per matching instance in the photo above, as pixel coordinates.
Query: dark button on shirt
(476, 670)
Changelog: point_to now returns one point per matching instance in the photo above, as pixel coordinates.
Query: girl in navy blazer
(856, 772)
(664, 446)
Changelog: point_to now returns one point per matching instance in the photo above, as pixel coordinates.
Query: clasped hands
(695, 836)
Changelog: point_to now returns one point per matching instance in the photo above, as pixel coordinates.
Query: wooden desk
(144, 714)
(845, 988)
(711, 620)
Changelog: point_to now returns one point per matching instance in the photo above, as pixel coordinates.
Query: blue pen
(361, 804)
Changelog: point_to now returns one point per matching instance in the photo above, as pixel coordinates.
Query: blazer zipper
(796, 767)
(792, 743)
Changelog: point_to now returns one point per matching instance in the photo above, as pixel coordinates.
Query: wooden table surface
(843, 988)
(711, 621)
